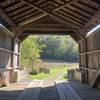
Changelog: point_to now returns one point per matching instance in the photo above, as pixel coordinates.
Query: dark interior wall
(89, 49)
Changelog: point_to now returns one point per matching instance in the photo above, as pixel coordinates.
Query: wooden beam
(47, 24)
(6, 50)
(68, 3)
(32, 19)
(74, 38)
(6, 31)
(51, 29)
(89, 52)
(50, 14)
(6, 18)
(22, 38)
(98, 20)
(95, 17)
(89, 69)
(46, 30)
(54, 26)
(68, 18)
(36, 27)
(96, 1)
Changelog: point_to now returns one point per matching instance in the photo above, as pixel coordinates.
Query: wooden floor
(49, 90)
(85, 91)
(13, 91)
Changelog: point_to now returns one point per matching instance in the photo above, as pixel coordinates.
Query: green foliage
(30, 51)
(48, 47)
(59, 48)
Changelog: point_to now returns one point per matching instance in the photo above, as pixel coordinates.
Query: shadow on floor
(81, 91)
(46, 93)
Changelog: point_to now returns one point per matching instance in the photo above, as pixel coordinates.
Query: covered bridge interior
(20, 18)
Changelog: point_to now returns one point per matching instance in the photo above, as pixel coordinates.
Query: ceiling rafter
(54, 3)
(71, 16)
(50, 14)
(1, 1)
(74, 14)
(97, 1)
(91, 21)
(7, 18)
(17, 11)
(87, 6)
(12, 4)
(68, 18)
(68, 3)
(42, 29)
(50, 31)
(35, 14)
(32, 19)
(24, 13)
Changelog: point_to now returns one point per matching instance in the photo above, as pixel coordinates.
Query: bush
(65, 76)
(34, 71)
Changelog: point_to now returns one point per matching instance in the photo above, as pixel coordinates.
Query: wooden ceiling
(70, 17)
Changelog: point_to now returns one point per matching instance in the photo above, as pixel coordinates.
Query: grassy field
(53, 71)
(55, 68)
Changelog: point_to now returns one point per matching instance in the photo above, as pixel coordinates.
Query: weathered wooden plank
(7, 18)
(91, 21)
(32, 91)
(66, 92)
(68, 3)
(48, 13)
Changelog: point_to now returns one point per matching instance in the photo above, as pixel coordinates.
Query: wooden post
(15, 59)
(86, 62)
(83, 60)
(16, 53)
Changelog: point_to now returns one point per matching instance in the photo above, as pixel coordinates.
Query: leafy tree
(58, 48)
(30, 51)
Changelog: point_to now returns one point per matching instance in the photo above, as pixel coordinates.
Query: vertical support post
(15, 59)
(83, 59)
(79, 45)
(86, 62)
(16, 53)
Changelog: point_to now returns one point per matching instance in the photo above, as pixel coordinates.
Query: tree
(58, 48)
(30, 51)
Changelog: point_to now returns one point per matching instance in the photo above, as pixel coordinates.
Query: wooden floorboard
(66, 92)
(85, 91)
(74, 90)
(32, 91)
(47, 90)
(12, 91)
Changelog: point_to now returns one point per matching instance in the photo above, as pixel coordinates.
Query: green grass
(53, 71)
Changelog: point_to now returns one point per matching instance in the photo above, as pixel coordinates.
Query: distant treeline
(61, 48)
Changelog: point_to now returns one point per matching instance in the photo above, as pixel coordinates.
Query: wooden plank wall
(16, 53)
(6, 50)
(89, 49)
(9, 55)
